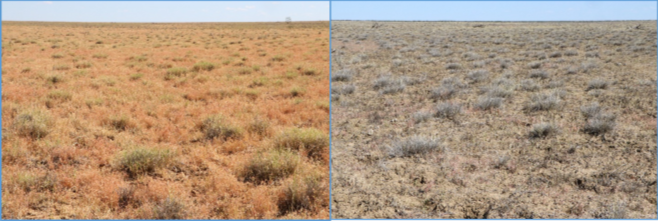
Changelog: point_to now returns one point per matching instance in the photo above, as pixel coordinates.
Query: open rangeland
(165, 121)
(494, 119)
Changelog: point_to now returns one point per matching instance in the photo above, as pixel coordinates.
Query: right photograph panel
(454, 110)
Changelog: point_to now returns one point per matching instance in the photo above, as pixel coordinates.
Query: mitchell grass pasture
(494, 119)
(165, 121)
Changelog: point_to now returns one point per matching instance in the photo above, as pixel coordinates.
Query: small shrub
(57, 56)
(413, 146)
(60, 95)
(83, 65)
(394, 87)
(535, 65)
(312, 140)
(297, 91)
(301, 194)
(310, 71)
(421, 116)
(600, 124)
(443, 92)
(100, 56)
(139, 58)
(203, 66)
(278, 58)
(542, 130)
(140, 161)
(591, 110)
(542, 102)
(136, 76)
(529, 85)
(382, 82)
(453, 66)
(342, 75)
(259, 127)
(539, 74)
(216, 127)
(343, 89)
(556, 54)
(26, 70)
(488, 103)
(61, 67)
(270, 166)
(572, 52)
(448, 110)
(244, 71)
(496, 91)
(55, 78)
(597, 84)
(175, 72)
(29, 182)
(170, 209)
(478, 75)
(120, 123)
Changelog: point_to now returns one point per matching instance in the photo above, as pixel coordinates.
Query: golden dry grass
(484, 119)
(142, 121)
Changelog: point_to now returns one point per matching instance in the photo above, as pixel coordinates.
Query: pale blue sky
(495, 10)
(166, 11)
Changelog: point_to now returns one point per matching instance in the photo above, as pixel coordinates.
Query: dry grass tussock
(494, 120)
(165, 121)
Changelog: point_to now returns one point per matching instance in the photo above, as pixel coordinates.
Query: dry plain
(494, 119)
(165, 121)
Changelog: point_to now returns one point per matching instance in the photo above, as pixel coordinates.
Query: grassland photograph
(535, 116)
(221, 113)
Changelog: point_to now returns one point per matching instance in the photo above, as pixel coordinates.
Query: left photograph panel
(165, 110)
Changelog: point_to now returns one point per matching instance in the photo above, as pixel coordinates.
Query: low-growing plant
(175, 72)
(597, 84)
(82, 65)
(343, 89)
(203, 66)
(342, 75)
(488, 103)
(542, 130)
(120, 123)
(542, 102)
(478, 75)
(591, 110)
(453, 66)
(413, 146)
(448, 110)
(259, 127)
(217, 127)
(273, 165)
(59, 95)
(599, 124)
(539, 74)
(55, 78)
(136, 76)
(170, 209)
(30, 182)
(529, 85)
(311, 140)
(300, 194)
(140, 161)
(421, 116)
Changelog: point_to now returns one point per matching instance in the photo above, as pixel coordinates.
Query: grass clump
(311, 140)
(590, 111)
(59, 95)
(61, 67)
(453, 66)
(100, 56)
(478, 75)
(175, 72)
(443, 92)
(30, 182)
(203, 66)
(542, 130)
(140, 161)
(270, 166)
(300, 194)
(83, 65)
(597, 122)
(342, 75)
(55, 78)
(448, 110)
(529, 85)
(278, 58)
(259, 127)
(542, 102)
(136, 76)
(120, 123)
(413, 146)
(539, 74)
(169, 208)
(597, 84)
(57, 56)
(488, 103)
(216, 127)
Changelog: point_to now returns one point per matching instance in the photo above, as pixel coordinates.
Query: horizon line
(168, 21)
(494, 20)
